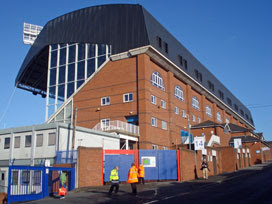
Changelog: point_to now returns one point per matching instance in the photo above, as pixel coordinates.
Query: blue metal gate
(32, 183)
(159, 164)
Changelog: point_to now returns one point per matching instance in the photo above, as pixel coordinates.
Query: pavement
(155, 191)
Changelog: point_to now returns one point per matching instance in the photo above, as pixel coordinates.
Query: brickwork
(90, 167)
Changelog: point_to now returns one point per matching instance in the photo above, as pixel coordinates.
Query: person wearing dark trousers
(114, 179)
(141, 174)
(133, 178)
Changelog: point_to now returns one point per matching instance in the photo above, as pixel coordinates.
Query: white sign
(148, 161)
(237, 143)
(199, 143)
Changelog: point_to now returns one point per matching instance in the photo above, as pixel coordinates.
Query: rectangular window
(154, 147)
(3, 176)
(164, 125)
(39, 140)
(211, 85)
(159, 41)
(194, 118)
(51, 139)
(176, 110)
(221, 94)
(229, 101)
(25, 177)
(183, 114)
(105, 101)
(164, 148)
(185, 64)
(180, 60)
(105, 124)
(7, 143)
(199, 120)
(128, 97)
(17, 141)
(153, 100)
(165, 47)
(28, 139)
(163, 104)
(154, 122)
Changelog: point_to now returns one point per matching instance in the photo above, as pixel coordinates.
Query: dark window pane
(62, 45)
(54, 47)
(70, 89)
(79, 83)
(7, 143)
(28, 140)
(91, 50)
(90, 67)
(101, 60)
(61, 74)
(52, 77)
(72, 53)
(81, 70)
(61, 93)
(71, 72)
(101, 49)
(81, 51)
(62, 56)
(52, 92)
(54, 55)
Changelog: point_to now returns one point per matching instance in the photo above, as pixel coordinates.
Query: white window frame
(208, 111)
(164, 125)
(199, 120)
(129, 97)
(155, 147)
(176, 110)
(218, 117)
(193, 118)
(153, 99)
(195, 103)
(154, 122)
(105, 101)
(105, 123)
(183, 114)
(163, 104)
(179, 93)
(164, 148)
(157, 80)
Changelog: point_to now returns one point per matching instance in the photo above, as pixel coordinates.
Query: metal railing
(117, 125)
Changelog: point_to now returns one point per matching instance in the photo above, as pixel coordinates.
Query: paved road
(251, 185)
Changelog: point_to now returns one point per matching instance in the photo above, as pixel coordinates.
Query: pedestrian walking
(63, 180)
(205, 169)
(114, 179)
(141, 174)
(133, 178)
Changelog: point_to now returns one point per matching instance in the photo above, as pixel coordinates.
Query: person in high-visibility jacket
(133, 178)
(141, 173)
(114, 179)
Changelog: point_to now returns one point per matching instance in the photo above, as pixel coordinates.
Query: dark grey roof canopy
(124, 27)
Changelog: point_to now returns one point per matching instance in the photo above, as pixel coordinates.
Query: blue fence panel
(151, 173)
(168, 165)
(122, 161)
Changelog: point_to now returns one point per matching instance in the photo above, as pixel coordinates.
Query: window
(7, 143)
(229, 101)
(159, 41)
(211, 85)
(105, 123)
(199, 120)
(51, 138)
(247, 116)
(218, 117)
(226, 120)
(164, 148)
(208, 111)
(165, 47)
(183, 113)
(198, 75)
(2, 176)
(25, 177)
(163, 104)
(164, 125)
(176, 110)
(154, 122)
(221, 94)
(157, 80)
(39, 140)
(195, 103)
(180, 59)
(154, 147)
(105, 101)
(194, 118)
(153, 99)
(185, 64)
(17, 141)
(242, 112)
(28, 139)
(179, 93)
(128, 97)
(235, 107)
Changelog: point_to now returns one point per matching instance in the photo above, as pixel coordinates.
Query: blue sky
(232, 38)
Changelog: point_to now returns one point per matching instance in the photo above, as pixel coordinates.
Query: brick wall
(90, 167)
(187, 165)
(228, 161)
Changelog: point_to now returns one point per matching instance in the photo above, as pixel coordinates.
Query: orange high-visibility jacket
(133, 175)
(141, 171)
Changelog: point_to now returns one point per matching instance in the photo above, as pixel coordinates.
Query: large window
(51, 139)
(208, 111)
(70, 66)
(7, 143)
(179, 93)
(195, 103)
(28, 139)
(157, 80)
(17, 141)
(39, 140)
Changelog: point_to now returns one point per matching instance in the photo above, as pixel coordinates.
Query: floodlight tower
(30, 33)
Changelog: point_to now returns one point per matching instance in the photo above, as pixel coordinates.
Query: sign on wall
(199, 143)
(148, 161)
(237, 143)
